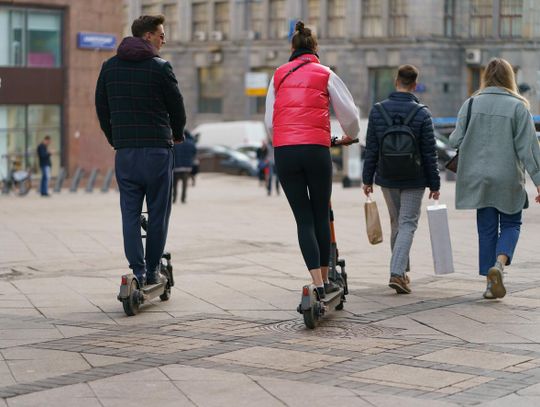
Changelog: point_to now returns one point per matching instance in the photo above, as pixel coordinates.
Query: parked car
(225, 159)
(444, 151)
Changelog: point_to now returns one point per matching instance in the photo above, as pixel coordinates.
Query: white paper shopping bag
(439, 233)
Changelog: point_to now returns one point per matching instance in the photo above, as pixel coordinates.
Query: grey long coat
(500, 144)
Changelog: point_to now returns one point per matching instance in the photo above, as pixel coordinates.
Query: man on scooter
(141, 112)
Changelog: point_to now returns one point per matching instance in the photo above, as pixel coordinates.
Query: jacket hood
(136, 49)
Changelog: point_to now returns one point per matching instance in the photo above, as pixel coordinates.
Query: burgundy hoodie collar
(136, 49)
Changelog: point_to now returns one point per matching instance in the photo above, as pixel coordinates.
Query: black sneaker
(141, 278)
(330, 287)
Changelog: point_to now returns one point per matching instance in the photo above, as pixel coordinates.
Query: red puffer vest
(301, 107)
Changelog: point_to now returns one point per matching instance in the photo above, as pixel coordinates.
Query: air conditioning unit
(216, 36)
(199, 36)
(473, 56)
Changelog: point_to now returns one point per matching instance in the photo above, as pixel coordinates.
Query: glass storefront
(30, 38)
(22, 128)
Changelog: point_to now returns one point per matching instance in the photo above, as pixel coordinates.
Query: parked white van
(231, 134)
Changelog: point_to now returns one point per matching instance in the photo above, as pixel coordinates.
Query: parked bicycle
(16, 180)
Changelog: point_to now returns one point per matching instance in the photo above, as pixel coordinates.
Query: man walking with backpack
(401, 156)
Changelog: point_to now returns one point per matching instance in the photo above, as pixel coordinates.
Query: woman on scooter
(298, 118)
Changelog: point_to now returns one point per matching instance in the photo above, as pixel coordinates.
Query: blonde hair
(500, 73)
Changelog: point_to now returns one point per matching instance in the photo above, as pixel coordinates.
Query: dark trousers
(45, 175)
(144, 173)
(498, 233)
(184, 177)
(305, 173)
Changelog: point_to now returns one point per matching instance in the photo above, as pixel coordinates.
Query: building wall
(83, 142)
(441, 59)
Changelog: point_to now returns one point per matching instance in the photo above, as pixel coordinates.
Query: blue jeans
(45, 175)
(498, 233)
(144, 173)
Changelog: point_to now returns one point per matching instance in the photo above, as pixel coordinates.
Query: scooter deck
(332, 296)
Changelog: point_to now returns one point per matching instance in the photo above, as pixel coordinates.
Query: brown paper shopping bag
(373, 222)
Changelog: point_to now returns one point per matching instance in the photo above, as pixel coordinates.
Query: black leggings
(305, 173)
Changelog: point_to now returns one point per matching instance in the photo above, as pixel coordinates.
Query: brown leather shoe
(400, 284)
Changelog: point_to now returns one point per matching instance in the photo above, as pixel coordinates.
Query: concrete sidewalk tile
(286, 360)
(410, 377)
(475, 358)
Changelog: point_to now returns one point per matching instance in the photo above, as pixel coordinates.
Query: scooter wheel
(131, 304)
(166, 293)
(311, 315)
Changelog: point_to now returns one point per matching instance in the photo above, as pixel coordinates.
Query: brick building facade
(48, 80)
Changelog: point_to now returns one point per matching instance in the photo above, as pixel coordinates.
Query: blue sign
(96, 41)
(292, 26)
(420, 87)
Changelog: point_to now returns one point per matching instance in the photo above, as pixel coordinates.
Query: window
(381, 83)
(150, 9)
(22, 128)
(221, 20)
(199, 20)
(210, 82)
(398, 18)
(278, 19)
(336, 18)
(256, 19)
(171, 21)
(314, 14)
(511, 18)
(475, 78)
(481, 23)
(30, 38)
(449, 11)
(371, 18)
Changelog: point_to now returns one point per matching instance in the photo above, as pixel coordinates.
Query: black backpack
(399, 154)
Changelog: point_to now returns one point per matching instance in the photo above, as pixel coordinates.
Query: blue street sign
(420, 87)
(96, 41)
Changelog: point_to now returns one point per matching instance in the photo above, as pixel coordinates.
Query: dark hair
(303, 37)
(47, 137)
(146, 24)
(407, 75)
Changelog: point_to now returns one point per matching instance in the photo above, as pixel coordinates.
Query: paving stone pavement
(230, 335)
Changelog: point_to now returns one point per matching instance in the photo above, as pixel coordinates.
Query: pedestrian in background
(298, 119)
(497, 147)
(402, 175)
(44, 157)
(184, 157)
(272, 171)
(141, 112)
(262, 163)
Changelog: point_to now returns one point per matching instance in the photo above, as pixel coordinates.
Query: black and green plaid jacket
(138, 102)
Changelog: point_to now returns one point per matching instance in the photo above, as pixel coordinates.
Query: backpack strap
(290, 72)
(413, 113)
(384, 114)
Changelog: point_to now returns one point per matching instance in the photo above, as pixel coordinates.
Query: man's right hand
(368, 189)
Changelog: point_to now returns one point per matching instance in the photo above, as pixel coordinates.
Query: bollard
(92, 180)
(60, 180)
(76, 180)
(107, 181)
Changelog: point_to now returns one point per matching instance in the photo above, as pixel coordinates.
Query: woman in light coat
(497, 147)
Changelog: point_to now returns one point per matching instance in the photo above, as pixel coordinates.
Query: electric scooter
(133, 293)
(311, 306)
